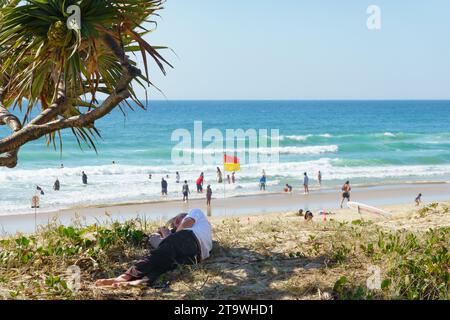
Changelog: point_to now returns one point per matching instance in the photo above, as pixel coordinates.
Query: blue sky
(298, 49)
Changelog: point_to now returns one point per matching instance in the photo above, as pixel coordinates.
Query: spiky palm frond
(40, 56)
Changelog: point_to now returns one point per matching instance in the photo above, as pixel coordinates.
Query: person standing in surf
(56, 185)
(199, 183)
(185, 191)
(164, 186)
(306, 183)
(262, 183)
(233, 177)
(208, 195)
(178, 177)
(346, 192)
(219, 175)
(319, 178)
(84, 177)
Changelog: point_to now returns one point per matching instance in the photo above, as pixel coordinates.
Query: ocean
(366, 142)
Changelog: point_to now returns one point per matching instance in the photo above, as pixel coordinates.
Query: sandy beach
(264, 203)
(277, 255)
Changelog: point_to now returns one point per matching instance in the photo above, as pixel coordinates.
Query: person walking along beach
(306, 183)
(185, 191)
(346, 192)
(208, 195)
(84, 177)
(418, 199)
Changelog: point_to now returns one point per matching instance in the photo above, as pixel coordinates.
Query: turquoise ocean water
(367, 142)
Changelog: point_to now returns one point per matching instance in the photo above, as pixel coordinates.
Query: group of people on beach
(57, 183)
(262, 185)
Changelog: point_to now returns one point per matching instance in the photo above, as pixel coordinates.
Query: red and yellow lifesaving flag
(231, 164)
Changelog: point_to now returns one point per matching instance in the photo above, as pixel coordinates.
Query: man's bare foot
(109, 282)
(134, 283)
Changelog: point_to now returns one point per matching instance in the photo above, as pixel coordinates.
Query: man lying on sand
(190, 244)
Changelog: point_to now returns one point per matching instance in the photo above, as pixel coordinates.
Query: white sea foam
(126, 183)
(304, 137)
(269, 150)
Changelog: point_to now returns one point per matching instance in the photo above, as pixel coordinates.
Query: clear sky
(304, 49)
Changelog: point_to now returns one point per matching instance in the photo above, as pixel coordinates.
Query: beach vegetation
(275, 257)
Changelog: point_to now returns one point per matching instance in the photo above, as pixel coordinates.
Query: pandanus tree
(65, 64)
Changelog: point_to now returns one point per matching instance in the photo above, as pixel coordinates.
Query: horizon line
(255, 99)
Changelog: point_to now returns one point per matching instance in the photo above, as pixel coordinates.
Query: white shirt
(202, 230)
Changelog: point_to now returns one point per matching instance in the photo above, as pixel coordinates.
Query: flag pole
(223, 176)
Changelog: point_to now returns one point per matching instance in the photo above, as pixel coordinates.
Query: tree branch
(9, 158)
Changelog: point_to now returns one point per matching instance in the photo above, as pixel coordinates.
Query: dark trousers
(177, 249)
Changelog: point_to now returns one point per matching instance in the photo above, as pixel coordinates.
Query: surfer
(346, 192)
(164, 187)
(418, 199)
(56, 185)
(306, 183)
(84, 177)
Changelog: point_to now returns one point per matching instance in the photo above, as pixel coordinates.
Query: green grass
(264, 257)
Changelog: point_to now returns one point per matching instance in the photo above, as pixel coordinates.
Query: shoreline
(196, 197)
(326, 199)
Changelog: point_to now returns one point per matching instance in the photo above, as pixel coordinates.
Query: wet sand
(245, 205)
